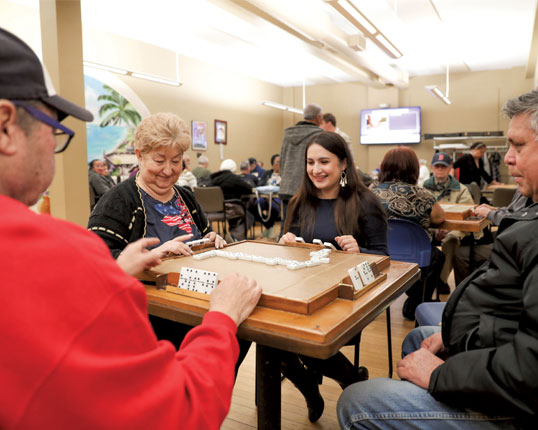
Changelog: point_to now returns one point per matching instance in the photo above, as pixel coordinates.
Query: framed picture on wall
(199, 136)
(221, 131)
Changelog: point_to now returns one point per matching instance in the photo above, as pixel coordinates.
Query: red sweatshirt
(77, 348)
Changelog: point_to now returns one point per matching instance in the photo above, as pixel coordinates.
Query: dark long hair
(302, 206)
(400, 164)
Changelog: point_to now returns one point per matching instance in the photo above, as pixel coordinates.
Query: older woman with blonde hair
(151, 205)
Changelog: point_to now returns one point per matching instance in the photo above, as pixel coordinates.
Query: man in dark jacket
(480, 371)
(292, 154)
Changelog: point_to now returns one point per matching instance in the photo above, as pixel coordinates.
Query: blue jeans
(384, 404)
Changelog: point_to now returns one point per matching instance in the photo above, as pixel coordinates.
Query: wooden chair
(212, 201)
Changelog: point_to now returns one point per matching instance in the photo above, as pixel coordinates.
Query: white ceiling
(286, 41)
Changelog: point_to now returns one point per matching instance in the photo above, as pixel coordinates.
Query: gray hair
(525, 103)
(311, 111)
(244, 165)
(203, 159)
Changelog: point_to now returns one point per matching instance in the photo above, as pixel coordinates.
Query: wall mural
(110, 136)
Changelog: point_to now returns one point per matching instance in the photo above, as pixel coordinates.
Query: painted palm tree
(117, 110)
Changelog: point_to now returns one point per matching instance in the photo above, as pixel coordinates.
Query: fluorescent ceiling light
(282, 107)
(436, 92)
(104, 67)
(358, 16)
(131, 73)
(382, 39)
(155, 79)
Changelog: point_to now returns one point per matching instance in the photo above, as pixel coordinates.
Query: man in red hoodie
(77, 347)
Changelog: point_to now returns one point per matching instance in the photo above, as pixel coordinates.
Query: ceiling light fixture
(145, 76)
(435, 91)
(351, 12)
(282, 107)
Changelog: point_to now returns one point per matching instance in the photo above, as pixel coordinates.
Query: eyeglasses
(62, 134)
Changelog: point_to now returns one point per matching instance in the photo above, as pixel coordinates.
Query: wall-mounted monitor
(390, 126)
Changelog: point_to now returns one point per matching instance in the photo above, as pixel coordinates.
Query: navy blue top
(372, 238)
(168, 220)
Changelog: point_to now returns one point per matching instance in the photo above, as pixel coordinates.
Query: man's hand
(235, 296)
(483, 210)
(347, 243)
(440, 234)
(288, 237)
(418, 366)
(135, 257)
(433, 343)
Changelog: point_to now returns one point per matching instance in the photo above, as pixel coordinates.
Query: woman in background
(333, 205)
(402, 198)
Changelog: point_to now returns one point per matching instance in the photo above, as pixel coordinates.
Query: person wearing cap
(446, 189)
(477, 370)
(77, 346)
(255, 168)
(472, 166)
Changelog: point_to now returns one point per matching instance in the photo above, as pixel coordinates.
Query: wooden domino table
(314, 327)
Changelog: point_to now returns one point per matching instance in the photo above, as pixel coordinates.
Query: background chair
(212, 201)
(502, 197)
(474, 189)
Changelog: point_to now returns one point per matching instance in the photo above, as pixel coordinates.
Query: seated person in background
(472, 166)
(98, 183)
(270, 177)
(201, 170)
(151, 205)
(333, 205)
(447, 190)
(245, 174)
(255, 169)
(402, 198)
(233, 188)
(186, 178)
(106, 174)
(479, 370)
(77, 348)
(481, 251)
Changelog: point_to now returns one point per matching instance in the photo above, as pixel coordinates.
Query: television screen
(390, 125)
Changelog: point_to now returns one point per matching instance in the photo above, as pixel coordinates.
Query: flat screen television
(390, 126)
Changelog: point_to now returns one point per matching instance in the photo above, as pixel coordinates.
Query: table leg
(268, 390)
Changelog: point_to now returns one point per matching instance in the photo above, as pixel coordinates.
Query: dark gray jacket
(292, 155)
(490, 327)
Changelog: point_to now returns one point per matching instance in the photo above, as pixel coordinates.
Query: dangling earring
(343, 179)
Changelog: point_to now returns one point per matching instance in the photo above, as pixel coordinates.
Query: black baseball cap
(24, 77)
(441, 158)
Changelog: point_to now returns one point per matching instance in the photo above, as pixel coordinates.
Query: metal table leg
(268, 389)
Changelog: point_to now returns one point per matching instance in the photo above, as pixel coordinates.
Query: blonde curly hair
(162, 129)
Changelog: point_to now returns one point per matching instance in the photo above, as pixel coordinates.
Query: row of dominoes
(361, 275)
(316, 258)
(328, 245)
(201, 281)
(197, 242)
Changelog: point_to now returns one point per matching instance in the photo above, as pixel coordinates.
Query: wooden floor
(373, 355)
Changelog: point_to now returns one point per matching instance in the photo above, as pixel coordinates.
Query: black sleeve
(373, 226)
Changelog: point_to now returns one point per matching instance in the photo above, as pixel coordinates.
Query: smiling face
(324, 170)
(522, 157)
(159, 170)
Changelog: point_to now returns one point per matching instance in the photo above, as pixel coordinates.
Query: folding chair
(212, 201)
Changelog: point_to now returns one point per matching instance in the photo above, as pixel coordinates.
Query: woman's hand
(347, 243)
(176, 246)
(288, 237)
(135, 258)
(218, 240)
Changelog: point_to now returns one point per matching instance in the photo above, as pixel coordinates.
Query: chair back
(210, 198)
(408, 242)
(502, 197)
(474, 189)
